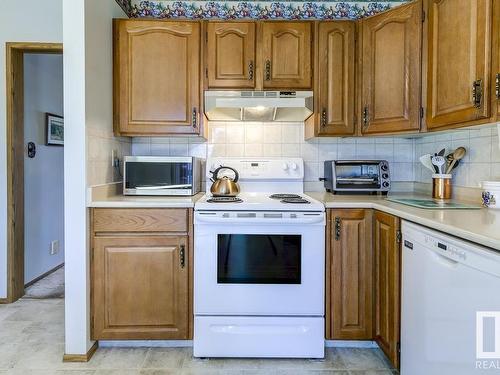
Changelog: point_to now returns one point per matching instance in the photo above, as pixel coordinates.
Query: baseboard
(145, 343)
(350, 344)
(81, 357)
(43, 275)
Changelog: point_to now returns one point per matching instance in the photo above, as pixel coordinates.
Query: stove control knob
(384, 167)
(385, 184)
(294, 166)
(285, 166)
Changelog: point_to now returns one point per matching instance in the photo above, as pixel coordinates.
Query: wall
(88, 113)
(20, 24)
(286, 140)
(43, 174)
(481, 163)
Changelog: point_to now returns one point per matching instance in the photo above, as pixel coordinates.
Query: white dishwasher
(445, 281)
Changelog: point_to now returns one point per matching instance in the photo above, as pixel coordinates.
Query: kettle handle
(215, 173)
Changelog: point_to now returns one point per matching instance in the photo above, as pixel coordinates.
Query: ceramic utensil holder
(441, 186)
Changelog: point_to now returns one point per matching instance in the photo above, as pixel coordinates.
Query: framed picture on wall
(55, 130)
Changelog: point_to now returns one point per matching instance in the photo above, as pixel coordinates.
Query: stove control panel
(259, 168)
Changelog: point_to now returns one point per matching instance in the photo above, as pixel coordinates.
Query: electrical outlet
(54, 247)
(114, 158)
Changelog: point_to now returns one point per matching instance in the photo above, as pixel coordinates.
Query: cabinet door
(231, 54)
(459, 54)
(496, 60)
(157, 77)
(391, 71)
(336, 77)
(349, 311)
(286, 55)
(140, 287)
(387, 284)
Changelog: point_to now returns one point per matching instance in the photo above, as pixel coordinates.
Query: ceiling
(266, 9)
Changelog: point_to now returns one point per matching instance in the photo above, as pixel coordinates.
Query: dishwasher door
(445, 282)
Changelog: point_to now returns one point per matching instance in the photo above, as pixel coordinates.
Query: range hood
(258, 105)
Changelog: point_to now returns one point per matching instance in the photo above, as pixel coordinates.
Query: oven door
(258, 265)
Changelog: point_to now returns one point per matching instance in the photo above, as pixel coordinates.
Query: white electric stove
(259, 265)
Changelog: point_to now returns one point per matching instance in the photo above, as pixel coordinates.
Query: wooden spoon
(458, 154)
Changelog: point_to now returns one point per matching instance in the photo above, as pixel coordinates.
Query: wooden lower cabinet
(387, 284)
(349, 275)
(140, 282)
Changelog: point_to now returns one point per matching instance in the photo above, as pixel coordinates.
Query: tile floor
(32, 342)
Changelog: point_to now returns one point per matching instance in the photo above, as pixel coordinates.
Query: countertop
(130, 201)
(480, 226)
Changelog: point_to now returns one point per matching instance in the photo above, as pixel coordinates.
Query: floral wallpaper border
(260, 10)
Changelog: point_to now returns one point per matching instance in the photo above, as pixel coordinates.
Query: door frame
(15, 160)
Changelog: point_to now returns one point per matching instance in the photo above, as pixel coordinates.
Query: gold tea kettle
(224, 186)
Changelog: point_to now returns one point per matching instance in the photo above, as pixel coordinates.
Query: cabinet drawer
(140, 220)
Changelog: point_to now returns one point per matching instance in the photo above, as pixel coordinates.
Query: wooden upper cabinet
(157, 77)
(140, 287)
(459, 55)
(496, 61)
(391, 71)
(349, 284)
(336, 61)
(286, 55)
(231, 54)
(387, 284)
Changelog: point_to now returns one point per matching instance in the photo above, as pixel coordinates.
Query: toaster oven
(366, 176)
(161, 175)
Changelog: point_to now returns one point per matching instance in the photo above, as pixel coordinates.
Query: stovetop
(262, 202)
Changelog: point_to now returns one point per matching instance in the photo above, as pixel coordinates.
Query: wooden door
(157, 77)
(387, 284)
(286, 55)
(231, 55)
(459, 53)
(336, 88)
(349, 307)
(140, 288)
(391, 71)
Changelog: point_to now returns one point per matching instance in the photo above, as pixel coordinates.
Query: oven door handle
(216, 219)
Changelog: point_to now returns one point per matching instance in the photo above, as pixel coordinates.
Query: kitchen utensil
(224, 186)
(439, 162)
(449, 159)
(458, 154)
(442, 152)
(426, 162)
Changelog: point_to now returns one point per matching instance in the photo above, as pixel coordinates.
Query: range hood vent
(265, 106)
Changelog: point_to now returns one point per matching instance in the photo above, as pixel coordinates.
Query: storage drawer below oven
(254, 337)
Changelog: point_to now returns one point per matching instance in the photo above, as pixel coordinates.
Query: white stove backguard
(269, 175)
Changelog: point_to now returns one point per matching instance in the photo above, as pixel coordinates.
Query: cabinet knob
(182, 256)
(366, 117)
(268, 70)
(195, 118)
(250, 70)
(338, 228)
(477, 93)
(323, 118)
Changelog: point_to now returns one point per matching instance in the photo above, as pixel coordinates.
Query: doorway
(17, 149)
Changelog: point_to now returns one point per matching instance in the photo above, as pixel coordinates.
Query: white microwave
(161, 175)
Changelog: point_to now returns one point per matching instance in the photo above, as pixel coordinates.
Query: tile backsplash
(481, 163)
(285, 140)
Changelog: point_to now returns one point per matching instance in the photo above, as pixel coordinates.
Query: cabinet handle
(195, 117)
(250, 70)
(338, 228)
(497, 86)
(323, 118)
(182, 256)
(365, 116)
(477, 93)
(268, 70)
